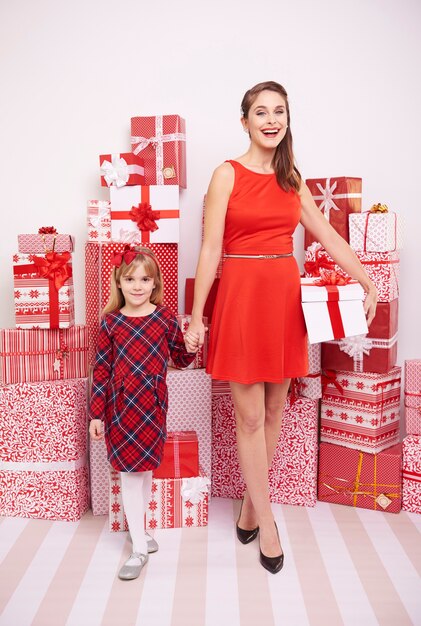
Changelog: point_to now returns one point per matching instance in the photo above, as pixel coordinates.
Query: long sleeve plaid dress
(129, 390)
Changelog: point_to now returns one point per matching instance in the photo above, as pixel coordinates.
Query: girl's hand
(370, 304)
(95, 430)
(191, 341)
(196, 333)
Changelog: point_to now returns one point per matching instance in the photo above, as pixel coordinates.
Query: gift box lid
(311, 291)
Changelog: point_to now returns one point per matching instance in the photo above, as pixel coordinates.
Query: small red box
(181, 456)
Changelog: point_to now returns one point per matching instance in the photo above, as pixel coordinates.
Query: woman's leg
(132, 491)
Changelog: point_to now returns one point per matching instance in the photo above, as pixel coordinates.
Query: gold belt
(257, 256)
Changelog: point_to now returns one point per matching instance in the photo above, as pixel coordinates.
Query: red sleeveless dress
(258, 332)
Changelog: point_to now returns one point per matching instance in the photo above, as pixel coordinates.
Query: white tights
(136, 492)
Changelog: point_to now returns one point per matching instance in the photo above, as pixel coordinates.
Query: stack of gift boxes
(144, 208)
(43, 386)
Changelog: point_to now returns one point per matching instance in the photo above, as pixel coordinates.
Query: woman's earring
(246, 130)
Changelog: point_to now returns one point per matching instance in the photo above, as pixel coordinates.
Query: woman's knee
(250, 423)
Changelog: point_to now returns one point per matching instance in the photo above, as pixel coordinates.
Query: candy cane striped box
(375, 232)
(411, 474)
(413, 396)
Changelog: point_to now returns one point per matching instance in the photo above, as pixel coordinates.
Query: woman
(258, 337)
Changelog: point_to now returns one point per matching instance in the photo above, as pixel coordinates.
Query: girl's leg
(132, 491)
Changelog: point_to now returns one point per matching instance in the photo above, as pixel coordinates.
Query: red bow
(313, 268)
(332, 278)
(128, 255)
(54, 266)
(144, 217)
(47, 230)
(329, 377)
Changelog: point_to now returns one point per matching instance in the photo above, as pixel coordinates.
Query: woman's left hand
(191, 341)
(370, 304)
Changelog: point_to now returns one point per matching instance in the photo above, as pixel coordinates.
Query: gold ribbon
(379, 208)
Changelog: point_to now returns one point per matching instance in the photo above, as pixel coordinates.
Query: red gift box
(161, 141)
(413, 396)
(336, 198)
(356, 478)
(411, 474)
(118, 170)
(210, 302)
(181, 456)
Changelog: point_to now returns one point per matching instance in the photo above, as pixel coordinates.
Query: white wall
(73, 73)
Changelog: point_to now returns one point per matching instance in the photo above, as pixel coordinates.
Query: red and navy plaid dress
(129, 390)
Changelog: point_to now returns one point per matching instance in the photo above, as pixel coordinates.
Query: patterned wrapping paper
(30, 355)
(361, 410)
(411, 474)
(97, 280)
(293, 474)
(373, 352)
(189, 408)
(311, 386)
(356, 478)
(143, 214)
(181, 456)
(337, 198)
(43, 461)
(413, 396)
(38, 304)
(161, 141)
(99, 220)
(202, 354)
(120, 169)
(41, 244)
(375, 232)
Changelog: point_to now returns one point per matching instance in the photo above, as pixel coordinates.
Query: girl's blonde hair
(145, 257)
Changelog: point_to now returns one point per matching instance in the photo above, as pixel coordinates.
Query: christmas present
(411, 474)
(413, 396)
(374, 352)
(99, 220)
(43, 289)
(141, 214)
(293, 473)
(46, 240)
(202, 354)
(174, 503)
(337, 198)
(361, 410)
(35, 354)
(333, 308)
(375, 231)
(356, 478)
(98, 269)
(118, 170)
(310, 386)
(210, 301)
(181, 456)
(43, 464)
(161, 141)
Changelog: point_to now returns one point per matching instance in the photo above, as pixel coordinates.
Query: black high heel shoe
(245, 536)
(273, 564)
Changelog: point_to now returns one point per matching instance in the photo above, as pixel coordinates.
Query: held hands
(370, 304)
(95, 430)
(195, 336)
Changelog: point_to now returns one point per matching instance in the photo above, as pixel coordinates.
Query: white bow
(115, 172)
(356, 346)
(98, 211)
(327, 196)
(130, 236)
(194, 489)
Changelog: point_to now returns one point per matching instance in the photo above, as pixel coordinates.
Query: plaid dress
(129, 390)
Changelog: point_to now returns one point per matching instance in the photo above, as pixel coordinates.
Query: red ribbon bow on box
(145, 217)
(332, 278)
(47, 230)
(55, 267)
(313, 268)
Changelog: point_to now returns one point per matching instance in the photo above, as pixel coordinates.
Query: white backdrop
(73, 73)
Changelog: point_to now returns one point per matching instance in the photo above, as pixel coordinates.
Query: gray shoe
(133, 566)
(152, 544)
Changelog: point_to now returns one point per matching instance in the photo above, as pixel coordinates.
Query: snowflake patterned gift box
(143, 214)
(375, 232)
(119, 170)
(412, 395)
(35, 354)
(43, 290)
(181, 456)
(46, 240)
(99, 220)
(161, 141)
(43, 461)
(337, 198)
(355, 478)
(362, 409)
(411, 474)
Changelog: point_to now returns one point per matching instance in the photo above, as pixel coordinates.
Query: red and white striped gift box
(412, 395)
(99, 220)
(375, 232)
(411, 474)
(120, 169)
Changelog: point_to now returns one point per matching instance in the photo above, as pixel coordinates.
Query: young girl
(129, 391)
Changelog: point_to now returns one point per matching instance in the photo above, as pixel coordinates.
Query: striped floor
(342, 566)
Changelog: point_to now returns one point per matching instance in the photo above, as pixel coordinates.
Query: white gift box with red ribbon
(123, 169)
(375, 232)
(332, 311)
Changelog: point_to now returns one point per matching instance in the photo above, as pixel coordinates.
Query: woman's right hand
(95, 430)
(196, 332)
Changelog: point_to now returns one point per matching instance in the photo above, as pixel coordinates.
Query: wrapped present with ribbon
(46, 240)
(361, 410)
(161, 141)
(411, 474)
(337, 198)
(119, 170)
(355, 478)
(412, 396)
(310, 386)
(202, 353)
(43, 290)
(145, 214)
(99, 220)
(181, 456)
(376, 230)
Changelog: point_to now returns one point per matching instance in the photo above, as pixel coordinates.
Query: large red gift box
(210, 301)
(99, 220)
(411, 474)
(98, 269)
(43, 440)
(362, 409)
(375, 232)
(372, 352)
(356, 478)
(181, 456)
(30, 355)
(161, 141)
(337, 198)
(40, 243)
(118, 170)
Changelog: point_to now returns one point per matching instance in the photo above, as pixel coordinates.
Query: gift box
(141, 214)
(118, 170)
(361, 410)
(99, 220)
(375, 232)
(373, 352)
(41, 243)
(356, 478)
(332, 311)
(30, 355)
(161, 141)
(310, 386)
(174, 503)
(43, 461)
(98, 269)
(337, 198)
(181, 456)
(413, 396)
(210, 301)
(202, 354)
(293, 473)
(43, 290)
(411, 474)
